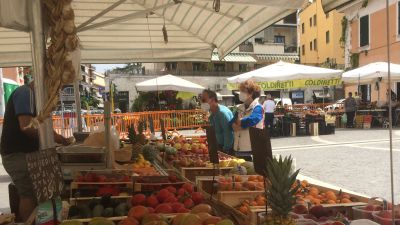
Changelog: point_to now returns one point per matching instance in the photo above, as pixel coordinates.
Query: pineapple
(134, 138)
(280, 191)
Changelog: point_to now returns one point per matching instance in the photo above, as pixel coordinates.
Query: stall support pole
(107, 133)
(78, 105)
(46, 135)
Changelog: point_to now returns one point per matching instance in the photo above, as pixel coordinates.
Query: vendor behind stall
(219, 118)
(250, 114)
(269, 109)
(17, 141)
(350, 106)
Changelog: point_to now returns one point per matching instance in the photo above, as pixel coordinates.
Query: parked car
(283, 101)
(338, 105)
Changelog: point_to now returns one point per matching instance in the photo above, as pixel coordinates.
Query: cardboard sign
(261, 148)
(212, 145)
(46, 175)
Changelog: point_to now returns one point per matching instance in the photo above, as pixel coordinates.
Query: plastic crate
(384, 221)
(359, 212)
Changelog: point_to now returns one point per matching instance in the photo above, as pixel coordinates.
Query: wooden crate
(192, 172)
(235, 198)
(86, 189)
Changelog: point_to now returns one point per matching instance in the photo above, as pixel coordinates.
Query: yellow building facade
(319, 37)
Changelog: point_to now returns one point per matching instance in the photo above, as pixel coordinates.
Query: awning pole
(46, 135)
(390, 107)
(78, 104)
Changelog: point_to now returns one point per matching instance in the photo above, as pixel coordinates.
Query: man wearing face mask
(251, 114)
(219, 118)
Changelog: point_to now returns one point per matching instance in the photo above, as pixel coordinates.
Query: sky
(101, 68)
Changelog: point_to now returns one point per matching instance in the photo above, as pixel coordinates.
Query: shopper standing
(350, 106)
(269, 109)
(220, 117)
(250, 114)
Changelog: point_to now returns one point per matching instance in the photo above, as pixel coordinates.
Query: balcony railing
(246, 48)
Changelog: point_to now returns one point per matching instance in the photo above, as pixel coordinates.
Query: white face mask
(243, 96)
(205, 107)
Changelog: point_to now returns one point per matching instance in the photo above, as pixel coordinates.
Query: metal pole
(46, 135)
(62, 114)
(78, 104)
(2, 92)
(390, 108)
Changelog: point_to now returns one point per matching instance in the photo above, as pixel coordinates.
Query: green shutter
(364, 31)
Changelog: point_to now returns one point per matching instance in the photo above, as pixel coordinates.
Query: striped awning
(278, 57)
(234, 57)
(121, 31)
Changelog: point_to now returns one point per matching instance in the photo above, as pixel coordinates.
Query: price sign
(212, 145)
(45, 171)
(261, 148)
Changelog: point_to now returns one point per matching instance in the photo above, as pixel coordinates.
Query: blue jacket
(223, 129)
(254, 118)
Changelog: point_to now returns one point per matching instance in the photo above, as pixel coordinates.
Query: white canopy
(372, 72)
(169, 83)
(282, 71)
(120, 31)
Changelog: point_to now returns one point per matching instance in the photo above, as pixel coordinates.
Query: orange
(314, 191)
(260, 179)
(243, 209)
(331, 202)
(304, 183)
(346, 200)
(253, 203)
(316, 201)
(331, 196)
(261, 202)
(252, 178)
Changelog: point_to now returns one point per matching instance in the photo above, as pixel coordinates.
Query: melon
(249, 168)
(240, 170)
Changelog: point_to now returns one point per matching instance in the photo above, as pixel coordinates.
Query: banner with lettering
(291, 84)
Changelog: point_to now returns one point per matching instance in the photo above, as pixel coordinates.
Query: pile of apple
(169, 200)
(199, 160)
(193, 146)
(239, 183)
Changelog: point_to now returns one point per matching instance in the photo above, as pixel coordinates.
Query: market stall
(168, 93)
(282, 75)
(112, 196)
(373, 110)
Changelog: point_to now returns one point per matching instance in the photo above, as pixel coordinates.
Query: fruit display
(241, 183)
(365, 212)
(102, 176)
(318, 215)
(245, 206)
(199, 215)
(170, 199)
(105, 206)
(310, 193)
(198, 160)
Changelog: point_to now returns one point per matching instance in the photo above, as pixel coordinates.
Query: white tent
(169, 83)
(121, 31)
(282, 71)
(372, 72)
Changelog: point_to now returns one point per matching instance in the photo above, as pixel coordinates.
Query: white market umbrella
(372, 73)
(121, 31)
(169, 83)
(282, 71)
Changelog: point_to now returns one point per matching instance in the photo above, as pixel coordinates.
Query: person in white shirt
(269, 109)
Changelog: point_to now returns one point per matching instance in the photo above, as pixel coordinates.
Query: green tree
(130, 68)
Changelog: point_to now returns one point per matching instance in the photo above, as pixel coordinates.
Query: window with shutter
(327, 37)
(310, 45)
(303, 50)
(364, 31)
(398, 18)
(302, 28)
(315, 45)
(315, 20)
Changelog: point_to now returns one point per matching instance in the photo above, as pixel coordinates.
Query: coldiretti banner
(277, 85)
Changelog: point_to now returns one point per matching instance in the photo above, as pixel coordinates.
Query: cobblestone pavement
(356, 160)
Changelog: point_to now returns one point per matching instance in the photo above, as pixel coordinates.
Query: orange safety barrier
(179, 119)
